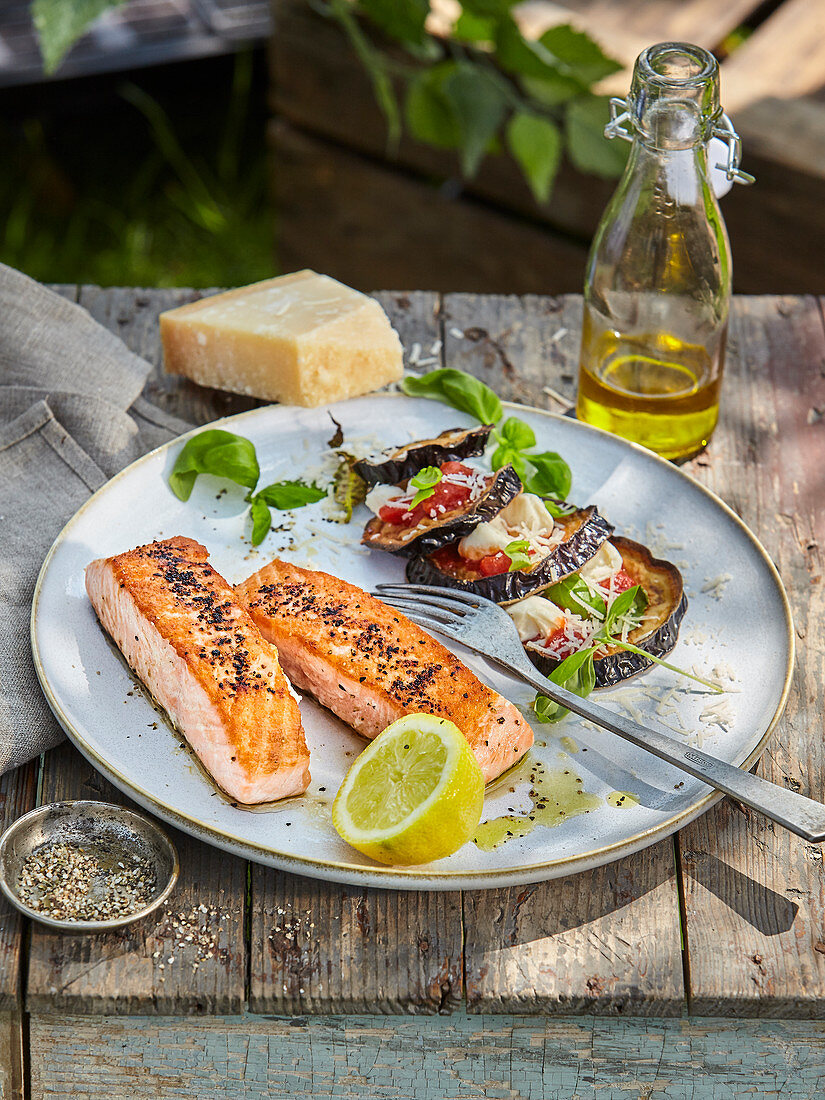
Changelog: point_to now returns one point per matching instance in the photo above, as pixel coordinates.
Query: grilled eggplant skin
(450, 446)
(663, 586)
(504, 486)
(587, 531)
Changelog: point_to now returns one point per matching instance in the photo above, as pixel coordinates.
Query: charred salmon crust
(369, 664)
(180, 627)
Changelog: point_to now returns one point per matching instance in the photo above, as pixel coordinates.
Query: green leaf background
(485, 90)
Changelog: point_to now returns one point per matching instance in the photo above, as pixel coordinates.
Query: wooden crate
(349, 208)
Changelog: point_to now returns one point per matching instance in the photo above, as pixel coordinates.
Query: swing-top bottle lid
(674, 93)
(674, 103)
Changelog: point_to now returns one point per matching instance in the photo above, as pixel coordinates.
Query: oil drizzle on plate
(556, 795)
(622, 799)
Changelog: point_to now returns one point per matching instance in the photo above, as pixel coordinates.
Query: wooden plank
(607, 940)
(755, 894)
(382, 227)
(784, 57)
(12, 1072)
(133, 315)
(18, 795)
(148, 968)
(446, 1058)
(320, 947)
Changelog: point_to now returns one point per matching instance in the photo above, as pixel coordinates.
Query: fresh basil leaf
(459, 389)
(620, 607)
(424, 483)
(536, 145)
(223, 454)
(349, 488)
(338, 437)
(504, 455)
(552, 476)
(427, 477)
(285, 495)
(517, 552)
(573, 594)
(577, 673)
(261, 520)
(517, 434)
(559, 508)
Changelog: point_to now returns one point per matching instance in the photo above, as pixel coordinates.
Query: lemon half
(414, 794)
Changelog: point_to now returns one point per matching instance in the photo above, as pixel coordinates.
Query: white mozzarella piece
(529, 511)
(535, 617)
(602, 565)
(487, 538)
(380, 495)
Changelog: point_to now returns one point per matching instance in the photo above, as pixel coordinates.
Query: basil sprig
(577, 672)
(224, 454)
(517, 552)
(574, 594)
(545, 473)
(424, 483)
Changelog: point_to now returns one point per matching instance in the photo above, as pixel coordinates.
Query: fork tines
(412, 591)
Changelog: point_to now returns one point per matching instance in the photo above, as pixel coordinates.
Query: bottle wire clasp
(619, 127)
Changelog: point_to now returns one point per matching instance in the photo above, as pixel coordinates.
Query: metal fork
(486, 628)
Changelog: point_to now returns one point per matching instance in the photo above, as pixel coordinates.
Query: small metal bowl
(102, 829)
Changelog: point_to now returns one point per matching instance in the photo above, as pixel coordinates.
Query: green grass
(152, 181)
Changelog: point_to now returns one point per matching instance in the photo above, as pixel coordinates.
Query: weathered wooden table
(693, 969)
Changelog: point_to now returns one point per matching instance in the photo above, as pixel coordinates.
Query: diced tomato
(448, 559)
(393, 513)
(562, 645)
(493, 564)
(621, 581)
(446, 494)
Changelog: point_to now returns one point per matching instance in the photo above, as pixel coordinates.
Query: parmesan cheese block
(303, 339)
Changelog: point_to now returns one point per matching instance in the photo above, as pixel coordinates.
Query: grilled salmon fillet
(369, 664)
(180, 627)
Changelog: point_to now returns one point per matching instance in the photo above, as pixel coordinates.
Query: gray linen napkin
(71, 416)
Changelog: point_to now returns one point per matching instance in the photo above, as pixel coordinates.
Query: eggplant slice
(430, 534)
(584, 532)
(667, 601)
(401, 465)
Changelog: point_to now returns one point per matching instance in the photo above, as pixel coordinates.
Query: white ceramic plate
(737, 628)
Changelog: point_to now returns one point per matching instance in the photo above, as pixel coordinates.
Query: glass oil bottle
(657, 288)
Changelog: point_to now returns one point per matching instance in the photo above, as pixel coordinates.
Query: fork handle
(801, 815)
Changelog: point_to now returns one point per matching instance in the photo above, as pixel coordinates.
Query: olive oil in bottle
(653, 388)
(657, 290)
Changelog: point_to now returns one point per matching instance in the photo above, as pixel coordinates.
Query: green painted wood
(454, 1058)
